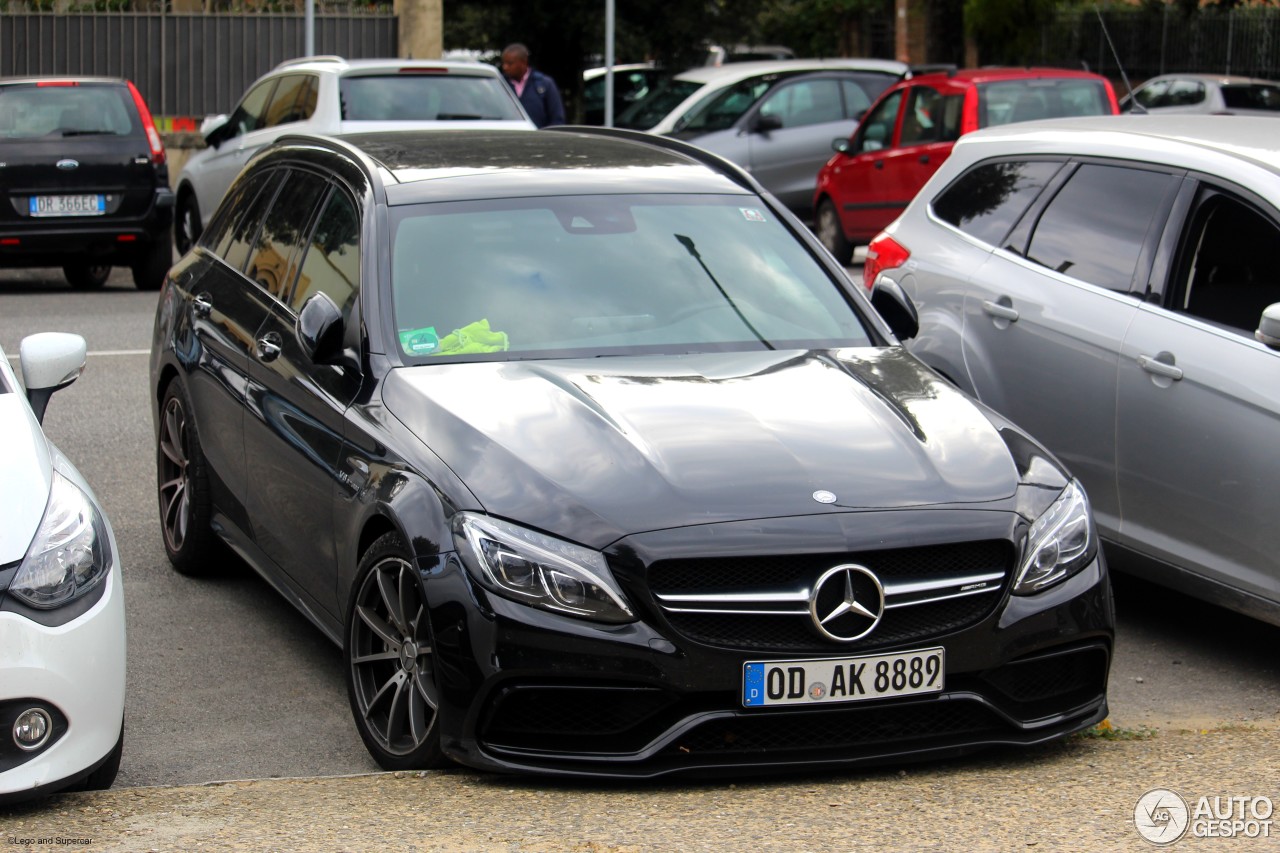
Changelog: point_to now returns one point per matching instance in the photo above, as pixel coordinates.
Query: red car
(908, 133)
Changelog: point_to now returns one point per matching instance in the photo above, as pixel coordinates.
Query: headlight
(70, 554)
(539, 570)
(1059, 543)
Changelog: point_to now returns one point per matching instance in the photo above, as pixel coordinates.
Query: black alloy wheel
(391, 661)
(182, 483)
(186, 226)
(831, 233)
(86, 276)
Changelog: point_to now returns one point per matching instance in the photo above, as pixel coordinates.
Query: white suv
(329, 94)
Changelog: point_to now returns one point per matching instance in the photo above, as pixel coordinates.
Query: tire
(149, 272)
(831, 233)
(102, 778)
(187, 227)
(86, 276)
(390, 661)
(182, 486)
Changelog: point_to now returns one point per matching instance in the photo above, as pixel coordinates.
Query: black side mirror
(320, 329)
(766, 123)
(896, 308)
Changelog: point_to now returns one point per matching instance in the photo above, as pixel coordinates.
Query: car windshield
(426, 97)
(1256, 96)
(654, 107)
(608, 275)
(1027, 100)
(28, 111)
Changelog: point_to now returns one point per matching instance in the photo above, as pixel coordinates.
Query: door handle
(1161, 365)
(269, 346)
(924, 158)
(1000, 311)
(202, 304)
(879, 164)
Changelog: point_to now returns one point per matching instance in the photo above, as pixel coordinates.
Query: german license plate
(809, 682)
(68, 205)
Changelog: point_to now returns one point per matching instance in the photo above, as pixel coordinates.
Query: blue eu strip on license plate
(828, 680)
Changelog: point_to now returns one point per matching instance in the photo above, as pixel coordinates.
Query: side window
(252, 111)
(240, 215)
(856, 99)
(805, 102)
(918, 122)
(1183, 93)
(1152, 95)
(986, 202)
(1229, 274)
(273, 260)
(1098, 224)
(876, 130)
(287, 102)
(719, 112)
(331, 264)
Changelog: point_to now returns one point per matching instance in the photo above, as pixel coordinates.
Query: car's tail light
(148, 126)
(884, 253)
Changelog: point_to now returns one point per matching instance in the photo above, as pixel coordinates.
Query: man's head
(515, 61)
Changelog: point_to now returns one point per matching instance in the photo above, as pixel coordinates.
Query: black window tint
(238, 217)
(273, 260)
(987, 202)
(332, 262)
(1097, 225)
(1253, 96)
(876, 130)
(252, 111)
(286, 103)
(1229, 276)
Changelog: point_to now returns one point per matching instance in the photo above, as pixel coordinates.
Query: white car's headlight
(540, 570)
(1059, 543)
(70, 554)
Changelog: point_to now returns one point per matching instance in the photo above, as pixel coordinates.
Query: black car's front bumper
(522, 690)
(108, 240)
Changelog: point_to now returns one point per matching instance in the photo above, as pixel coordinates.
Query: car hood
(596, 449)
(26, 471)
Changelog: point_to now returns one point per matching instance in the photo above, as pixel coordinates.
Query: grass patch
(1106, 731)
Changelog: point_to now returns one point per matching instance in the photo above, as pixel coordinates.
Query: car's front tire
(187, 227)
(182, 485)
(831, 233)
(86, 276)
(391, 660)
(150, 270)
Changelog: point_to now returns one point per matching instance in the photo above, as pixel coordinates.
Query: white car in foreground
(62, 623)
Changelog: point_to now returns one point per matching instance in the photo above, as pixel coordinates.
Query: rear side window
(805, 102)
(426, 97)
(1027, 100)
(1252, 97)
(988, 201)
(57, 111)
(1097, 225)
(275, 254)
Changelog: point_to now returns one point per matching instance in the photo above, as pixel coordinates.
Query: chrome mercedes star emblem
(68, 164)
(847, 603)
(822, 496)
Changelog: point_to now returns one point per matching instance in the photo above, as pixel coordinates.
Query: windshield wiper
(689, 246)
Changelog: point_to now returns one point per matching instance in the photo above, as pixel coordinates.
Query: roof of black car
(438, 164)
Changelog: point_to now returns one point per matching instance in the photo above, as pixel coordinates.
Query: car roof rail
(949, 68)
(299, 60)
(730, 170)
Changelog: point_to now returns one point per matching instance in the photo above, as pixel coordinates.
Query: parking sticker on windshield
(751, 214)
(419, 341)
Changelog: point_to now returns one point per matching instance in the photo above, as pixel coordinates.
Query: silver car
(1216, 94)
(1112, 285)
(776, 119)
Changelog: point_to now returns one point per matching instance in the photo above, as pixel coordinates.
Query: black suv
(84, 174)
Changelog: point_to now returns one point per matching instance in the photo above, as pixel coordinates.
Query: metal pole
(310, 24)
(608, 62)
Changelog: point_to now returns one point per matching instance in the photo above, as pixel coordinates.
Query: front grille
(863, 728)
(779, 586)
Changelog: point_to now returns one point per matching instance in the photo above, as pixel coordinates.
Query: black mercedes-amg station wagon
(594, 462)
